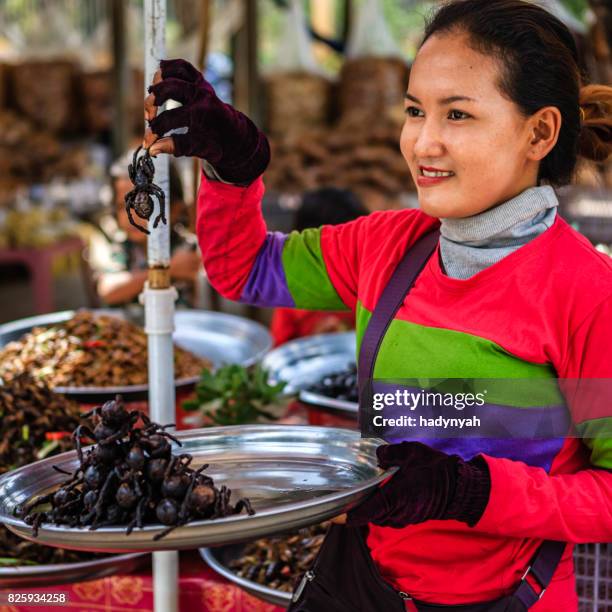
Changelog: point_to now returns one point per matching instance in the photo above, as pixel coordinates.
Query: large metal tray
(294, 476)
(303, 362)
(220, 558)
(219, 337)
(26, 576)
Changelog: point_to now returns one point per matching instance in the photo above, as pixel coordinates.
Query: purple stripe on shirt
(536, 453)
(267, 285)
(533, 435)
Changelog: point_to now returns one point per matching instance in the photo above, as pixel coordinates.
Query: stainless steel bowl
(26, 576)
(304, 362)
(220, 558)
(221, 338)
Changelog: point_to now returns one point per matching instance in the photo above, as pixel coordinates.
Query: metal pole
(244, 52)
(159, 297)
(120, 77)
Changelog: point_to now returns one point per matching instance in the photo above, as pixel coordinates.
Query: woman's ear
(545, 125)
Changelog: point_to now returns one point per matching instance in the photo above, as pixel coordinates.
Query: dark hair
(327, 206)
(540, 68)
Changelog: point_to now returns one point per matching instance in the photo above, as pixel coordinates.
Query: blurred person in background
(121, 264)
(325, 206)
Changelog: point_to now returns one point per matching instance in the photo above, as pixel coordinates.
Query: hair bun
(595, 142)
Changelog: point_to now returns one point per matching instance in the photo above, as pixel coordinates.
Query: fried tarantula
(141, 172)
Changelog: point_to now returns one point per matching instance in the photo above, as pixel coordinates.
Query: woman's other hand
(185, 265)
(429, 484)
(216, 132)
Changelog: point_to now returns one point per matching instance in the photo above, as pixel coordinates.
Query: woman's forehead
(446, 65)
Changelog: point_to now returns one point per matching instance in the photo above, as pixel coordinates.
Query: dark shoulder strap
(549, 553)
(392, 297)
(542, 567)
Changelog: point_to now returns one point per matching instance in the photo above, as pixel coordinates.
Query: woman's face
(481, 144)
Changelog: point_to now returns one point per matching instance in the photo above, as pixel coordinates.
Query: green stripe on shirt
(427, 353)
(306, 274)
(597, 435)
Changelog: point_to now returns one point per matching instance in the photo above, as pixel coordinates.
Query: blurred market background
(71, 90)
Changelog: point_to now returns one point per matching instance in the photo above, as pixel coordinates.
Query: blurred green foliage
(234, 395)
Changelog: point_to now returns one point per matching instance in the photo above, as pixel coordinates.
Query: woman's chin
(439, 209)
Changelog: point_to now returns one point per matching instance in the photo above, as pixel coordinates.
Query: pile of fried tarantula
(130, 477)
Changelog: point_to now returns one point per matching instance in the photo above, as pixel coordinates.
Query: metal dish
(294, 476)
(221, 338)
(302, 363)
(220, 558)
(329, 404)
(26, 576)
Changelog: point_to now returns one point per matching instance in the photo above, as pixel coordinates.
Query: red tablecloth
(201, 590)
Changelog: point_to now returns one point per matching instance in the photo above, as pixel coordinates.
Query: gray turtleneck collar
(471, 244)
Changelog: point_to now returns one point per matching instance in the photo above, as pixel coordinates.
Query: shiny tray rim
(329, 403)
(39, 575)
(115, 539)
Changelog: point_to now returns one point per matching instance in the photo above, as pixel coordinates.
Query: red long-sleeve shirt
(544, 311)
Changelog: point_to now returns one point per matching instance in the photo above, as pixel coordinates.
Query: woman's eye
(455, 115)
(413, 111)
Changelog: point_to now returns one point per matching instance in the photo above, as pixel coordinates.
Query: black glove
(428, 485)
(217, 132)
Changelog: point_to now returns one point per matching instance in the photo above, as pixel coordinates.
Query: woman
(495, 116)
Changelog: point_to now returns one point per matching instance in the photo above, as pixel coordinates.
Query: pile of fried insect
(130, 477)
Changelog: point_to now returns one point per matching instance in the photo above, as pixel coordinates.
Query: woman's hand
(217, 132)
(428, 485)
(185, 264)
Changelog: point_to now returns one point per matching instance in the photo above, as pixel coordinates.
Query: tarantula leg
(97, 510)
(78, 432)
(184, 511)
(137, 521)
(61, 470)
(132, 167)
(38, 519)
(93, 412)
(169, 435)
(244, 504)
(165, 532)
(221, 502)
(128, 209)
(161, 198)
(148, 165)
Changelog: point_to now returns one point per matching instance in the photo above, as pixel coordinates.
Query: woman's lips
(425, 178)
(430, 181)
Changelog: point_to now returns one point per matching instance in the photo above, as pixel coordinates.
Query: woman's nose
(429, 141)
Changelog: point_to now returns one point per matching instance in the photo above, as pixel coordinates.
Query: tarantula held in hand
(141, 172)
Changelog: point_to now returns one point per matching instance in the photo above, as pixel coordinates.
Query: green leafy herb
(234, 395)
